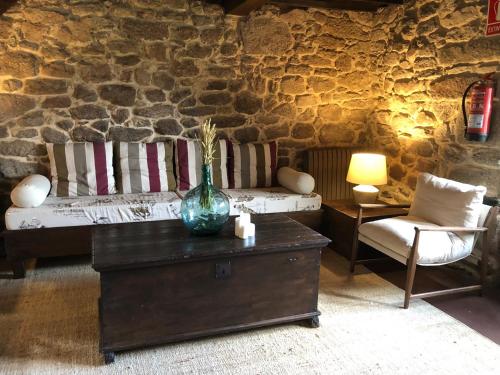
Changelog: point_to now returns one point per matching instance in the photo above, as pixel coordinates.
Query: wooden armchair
(423, 238)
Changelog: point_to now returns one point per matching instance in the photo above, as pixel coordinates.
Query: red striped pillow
(83, 168)
(145, 167)
(188, 162)
(252, 165)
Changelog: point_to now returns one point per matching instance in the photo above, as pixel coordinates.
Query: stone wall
(142, 70)
(434, 49)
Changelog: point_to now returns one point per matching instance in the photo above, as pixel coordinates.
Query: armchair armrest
(382, 205)
(450, 229)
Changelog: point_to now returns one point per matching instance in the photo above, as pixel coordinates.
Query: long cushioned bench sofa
(62, 225)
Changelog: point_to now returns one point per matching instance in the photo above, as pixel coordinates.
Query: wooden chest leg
(18, 269)
(314, 322)
(109, 357)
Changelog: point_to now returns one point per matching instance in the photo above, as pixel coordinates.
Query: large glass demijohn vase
(205, 209)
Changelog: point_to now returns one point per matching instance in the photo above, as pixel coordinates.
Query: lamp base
(365, 194)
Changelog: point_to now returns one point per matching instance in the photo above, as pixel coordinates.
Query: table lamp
(367, 170)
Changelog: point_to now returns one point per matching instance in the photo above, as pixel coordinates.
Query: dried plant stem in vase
(207, 146)
(205, 209)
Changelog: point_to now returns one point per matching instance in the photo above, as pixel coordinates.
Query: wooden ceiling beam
(5, 5)
(242, 7)
(361, 5)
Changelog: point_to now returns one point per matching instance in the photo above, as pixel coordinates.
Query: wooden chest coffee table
(160, 284)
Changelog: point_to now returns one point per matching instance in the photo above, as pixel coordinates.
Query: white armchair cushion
(394, 237)
(298, 182)
(446, 202)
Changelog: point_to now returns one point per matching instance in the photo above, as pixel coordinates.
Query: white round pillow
(298, 182)
(31, 191)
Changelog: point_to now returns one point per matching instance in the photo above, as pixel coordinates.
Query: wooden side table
(340, 221)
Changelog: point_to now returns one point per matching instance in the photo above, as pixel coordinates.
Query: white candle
(238, 225)
(244, 218)
(245, 230)
(249, 230)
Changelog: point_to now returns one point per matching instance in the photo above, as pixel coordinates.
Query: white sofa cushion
(394, 237)
(90, 210)
(31, 191)
(268, 200)
(298, 182)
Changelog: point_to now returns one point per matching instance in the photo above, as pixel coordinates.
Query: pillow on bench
(188, 163)
(252, 165)
(83, 168)
(145, 167)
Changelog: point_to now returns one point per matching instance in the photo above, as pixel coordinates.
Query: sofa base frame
(24, 244)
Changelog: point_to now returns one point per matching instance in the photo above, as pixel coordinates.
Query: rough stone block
(266, 36)
(217, 98)
(122, 134)
(13, 105)
(142, 29)
(154, 111)
(229, 121)
(86, 134)
(51, 135)
(85, 93)
(293, 85)
(88, 112)
(45, 86)
(123, 95)
(168, 127)
(62, 101)
(247, 102)
(19, 64)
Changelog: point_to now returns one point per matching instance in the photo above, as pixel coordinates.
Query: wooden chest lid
(138, 245)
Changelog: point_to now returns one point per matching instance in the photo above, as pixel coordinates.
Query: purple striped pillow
(145, 167)
(252, 165)
(82, 168)
(188, 163)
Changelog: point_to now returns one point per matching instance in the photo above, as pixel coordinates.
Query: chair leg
(484, 262)
(411, 265)
(410, 277)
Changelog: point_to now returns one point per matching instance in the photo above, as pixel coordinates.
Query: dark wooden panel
(311, 219)
(174, 302)
(160, 242)
(47, 242)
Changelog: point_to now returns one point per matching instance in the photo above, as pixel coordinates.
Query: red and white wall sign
(493, 25)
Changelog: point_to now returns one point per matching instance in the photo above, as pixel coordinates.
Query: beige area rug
(48, 325)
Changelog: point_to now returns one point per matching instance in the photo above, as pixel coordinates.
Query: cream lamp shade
(367, 170)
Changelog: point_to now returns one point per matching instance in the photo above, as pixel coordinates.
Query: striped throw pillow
(252, 165)
(145, 167)
(82, 168)
(188, 162)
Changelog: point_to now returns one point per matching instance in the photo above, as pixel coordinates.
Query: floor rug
(48, 325)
